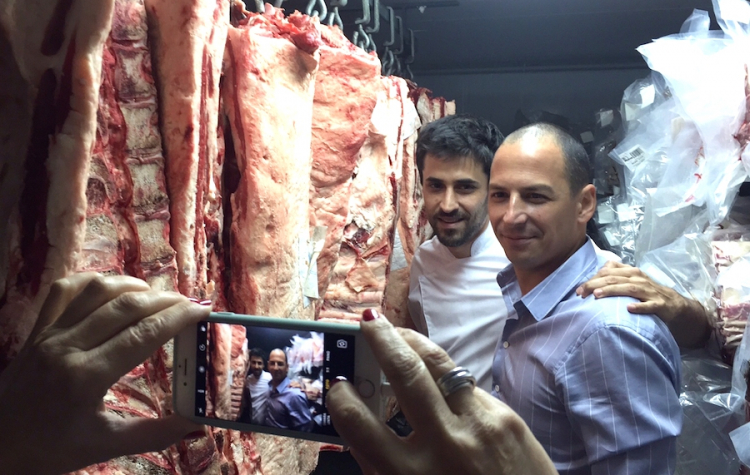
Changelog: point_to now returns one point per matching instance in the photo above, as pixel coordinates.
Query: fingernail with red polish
(370, 315)
(206, 303)
(338, 379)
(194, 300)
(195, 435)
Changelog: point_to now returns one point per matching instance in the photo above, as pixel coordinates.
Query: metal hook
(411, 74)
(321, 11)
(412, 48)
(260, 7)
(365, 14)
(400, 49)
(333, 16)
(391, 20)
(376, 17)
(277, 3)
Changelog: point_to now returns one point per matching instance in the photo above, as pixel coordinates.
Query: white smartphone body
(216, 381)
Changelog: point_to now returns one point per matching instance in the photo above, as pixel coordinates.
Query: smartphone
(271, 375)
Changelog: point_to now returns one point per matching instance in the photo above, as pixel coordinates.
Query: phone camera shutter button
(366, 389)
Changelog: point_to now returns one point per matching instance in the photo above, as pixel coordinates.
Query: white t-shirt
(259, 391)
(458, 304)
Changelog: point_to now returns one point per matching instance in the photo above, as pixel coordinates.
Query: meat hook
(321, 10)
(365, 14)
(392, 21)
(376, 17)
(400, 48)
(333, 16)
(278, 3)
(260, 7)
(412, 48)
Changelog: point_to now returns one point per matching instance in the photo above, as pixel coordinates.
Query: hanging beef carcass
(187, 40)
(361, 273)
(346, 89)
(271, 63)
(92, 191)
(94, 194)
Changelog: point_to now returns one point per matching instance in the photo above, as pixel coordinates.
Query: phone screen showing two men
(269, 376)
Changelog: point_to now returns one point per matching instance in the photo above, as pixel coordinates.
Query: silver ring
(454, 380)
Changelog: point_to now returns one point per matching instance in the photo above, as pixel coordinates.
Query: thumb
(140, 434)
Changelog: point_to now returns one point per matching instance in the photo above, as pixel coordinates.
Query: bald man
(287, 406)
(597, 385)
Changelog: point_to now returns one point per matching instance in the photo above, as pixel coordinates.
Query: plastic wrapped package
(685, 266)
(608, 132)
(619, 222)
(641, 97)
(741, 391)
(731, 257)
(706, 74)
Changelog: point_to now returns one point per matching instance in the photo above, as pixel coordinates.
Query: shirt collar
(282, 386)
(551, 291)
(483, 241)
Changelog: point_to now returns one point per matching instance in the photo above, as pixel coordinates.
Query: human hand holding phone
(468, 431)
(283, 380)
(91, 330)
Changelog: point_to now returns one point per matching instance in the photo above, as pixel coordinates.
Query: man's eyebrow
(545, 189)
(466, 181)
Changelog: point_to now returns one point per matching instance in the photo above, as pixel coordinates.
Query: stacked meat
(164, 143)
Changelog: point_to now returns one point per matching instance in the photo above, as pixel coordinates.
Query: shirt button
(505, 344)
(497, 388)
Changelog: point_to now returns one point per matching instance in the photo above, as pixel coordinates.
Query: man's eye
(536, 197)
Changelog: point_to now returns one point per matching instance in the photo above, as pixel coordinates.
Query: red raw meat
(346, 88)
(188, 40)
(268, 95)
(359, 279)
(46, 227)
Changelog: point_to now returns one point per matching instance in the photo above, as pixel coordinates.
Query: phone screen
(269, 376)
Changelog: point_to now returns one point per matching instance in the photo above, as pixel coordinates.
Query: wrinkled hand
(686, 318)
(91, 331)
(470, 432)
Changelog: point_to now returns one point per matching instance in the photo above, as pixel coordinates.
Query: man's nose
(515, 211)
(448, 203)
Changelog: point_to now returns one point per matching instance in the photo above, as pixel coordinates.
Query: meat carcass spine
(268, 91)
(188, 37)
(346, 89)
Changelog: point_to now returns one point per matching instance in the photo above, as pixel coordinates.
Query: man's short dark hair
(258, 353)
(577, 164)
(459, 136)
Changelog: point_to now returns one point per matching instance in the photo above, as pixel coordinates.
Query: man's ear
(586, 203)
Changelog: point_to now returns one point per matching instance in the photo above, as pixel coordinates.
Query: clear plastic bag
(686, 265)
(704, 446)
(706, 74)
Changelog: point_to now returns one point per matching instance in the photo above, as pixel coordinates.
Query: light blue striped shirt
(597, 385)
